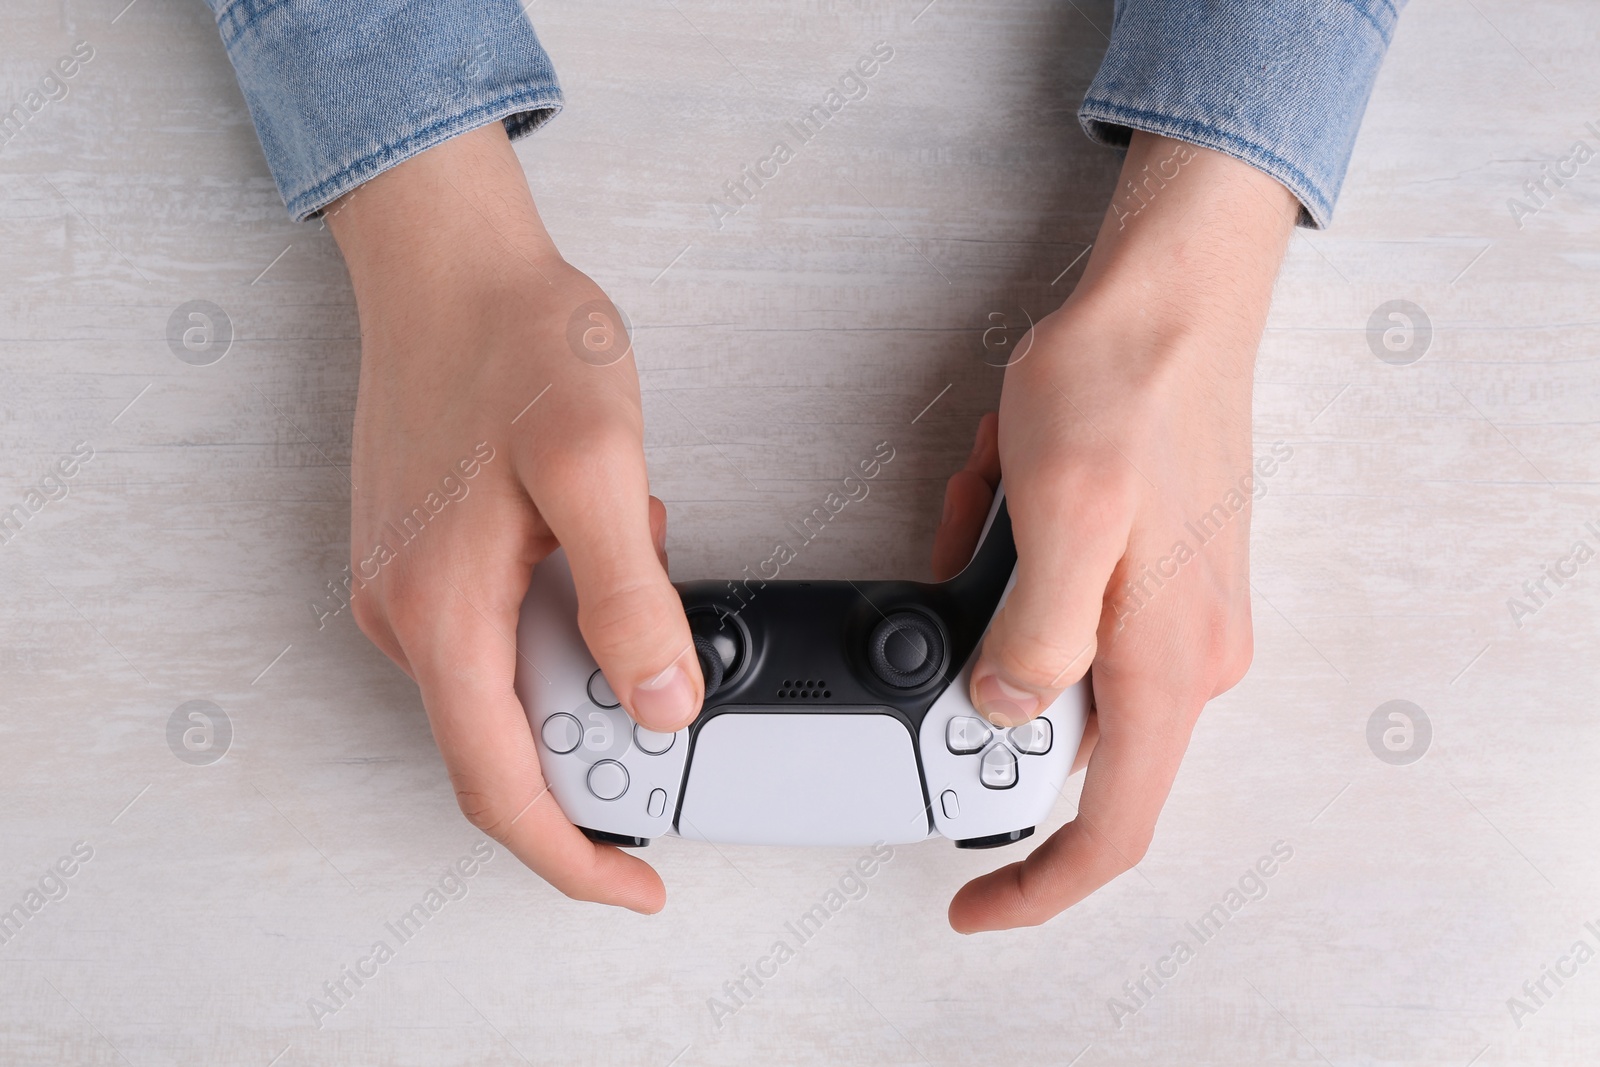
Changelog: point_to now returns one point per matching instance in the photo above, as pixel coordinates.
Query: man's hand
(1124, 434)
(499, 417)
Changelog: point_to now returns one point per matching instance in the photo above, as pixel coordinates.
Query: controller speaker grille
(804, 689)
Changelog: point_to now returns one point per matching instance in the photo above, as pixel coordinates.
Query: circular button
(652, 742)
(607, 733)
(906, 649)
(608, 779)
(600, 691)
(561, 733)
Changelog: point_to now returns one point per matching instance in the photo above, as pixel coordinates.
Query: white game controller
(836, 713)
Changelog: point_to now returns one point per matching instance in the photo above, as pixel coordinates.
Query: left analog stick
(720, 644)
(711, 667)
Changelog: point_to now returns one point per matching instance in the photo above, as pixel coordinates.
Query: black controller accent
(995, 840)
(839, 646)
(603, 837)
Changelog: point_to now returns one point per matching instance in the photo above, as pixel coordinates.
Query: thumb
(1042, 639)
(629, 614)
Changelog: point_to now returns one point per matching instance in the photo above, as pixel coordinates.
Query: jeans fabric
(1280, 84)
(341, 90)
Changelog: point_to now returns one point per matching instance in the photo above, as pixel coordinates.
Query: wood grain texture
(775, 350)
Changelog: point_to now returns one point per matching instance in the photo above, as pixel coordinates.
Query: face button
(965, 735)
(600, 691)
(652, 742)
(608, 779)
(607, 733)
(999, 768)
(561, 733)
(906, 650)
(1032, 737)
(657, 803)
(951, 803)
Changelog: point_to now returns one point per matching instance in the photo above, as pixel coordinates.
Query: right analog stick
(906, 650)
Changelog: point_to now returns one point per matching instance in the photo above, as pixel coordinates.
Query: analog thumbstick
(906, 649)
(711, 668)
(720, 643)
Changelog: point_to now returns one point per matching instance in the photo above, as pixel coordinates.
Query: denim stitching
(307, 202)
(1304, 188)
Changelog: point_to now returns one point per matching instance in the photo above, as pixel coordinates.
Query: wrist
(454, 222)
(1190, 246)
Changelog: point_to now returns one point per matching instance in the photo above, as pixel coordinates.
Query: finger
(967, 497)
(1130, 775)
(630, 616)
(465, 652)
(1091, 737)
(658, 529)
(366, 608)
(1070, 537)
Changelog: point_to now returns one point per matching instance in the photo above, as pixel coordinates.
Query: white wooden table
(823, 317)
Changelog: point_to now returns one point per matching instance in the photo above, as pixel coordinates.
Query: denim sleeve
(341, 90)
(1279, 84)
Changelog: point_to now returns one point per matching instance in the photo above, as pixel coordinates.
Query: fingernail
(949, 504)
(665, 702)
(1001, 703)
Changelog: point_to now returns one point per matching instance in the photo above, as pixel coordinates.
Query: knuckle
(426, 608)
(576, 463)
(486, 809)
(370, 617)
(1114, 851)
(409, 607)
(1125, 851)
(482, 811)
(1136, 846)
(1234, 666)
(1036, 660)
(1094, 491)
(1229, 649)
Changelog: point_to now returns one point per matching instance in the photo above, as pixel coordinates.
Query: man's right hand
(483, 351)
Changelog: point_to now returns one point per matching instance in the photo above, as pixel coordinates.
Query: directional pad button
(1032, 738)
(966, 735)
(998, 769)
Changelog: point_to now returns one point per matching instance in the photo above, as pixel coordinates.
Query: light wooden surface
(822, 318)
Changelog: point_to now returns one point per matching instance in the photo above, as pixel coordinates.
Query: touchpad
(801, 778)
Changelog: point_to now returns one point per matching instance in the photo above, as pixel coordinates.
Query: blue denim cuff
(1279, 84)
(341, 90)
